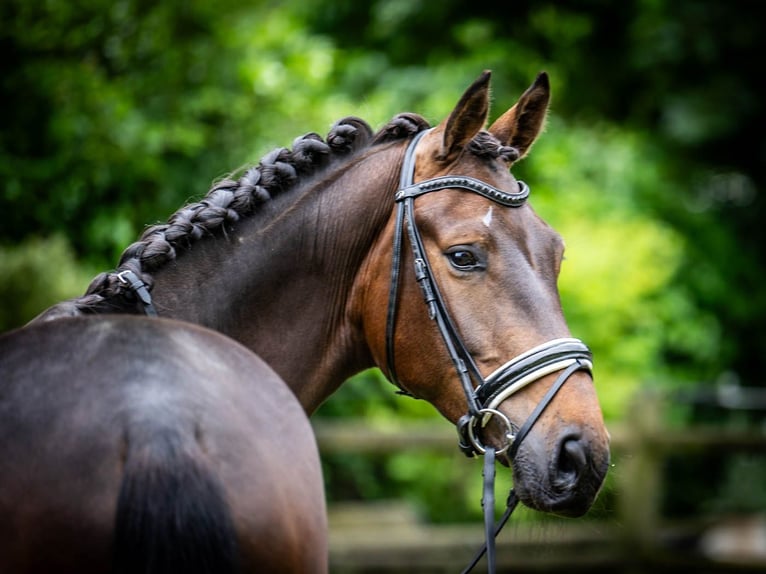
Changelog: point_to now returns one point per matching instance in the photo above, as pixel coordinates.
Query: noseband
(483, 395)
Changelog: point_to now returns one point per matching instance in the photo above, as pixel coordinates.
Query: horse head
(490, 348)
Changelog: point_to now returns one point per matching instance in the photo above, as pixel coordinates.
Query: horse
(412, 249)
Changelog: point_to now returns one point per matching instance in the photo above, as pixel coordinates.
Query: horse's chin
(567, 509)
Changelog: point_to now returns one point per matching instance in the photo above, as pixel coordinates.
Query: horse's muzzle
(566, 483)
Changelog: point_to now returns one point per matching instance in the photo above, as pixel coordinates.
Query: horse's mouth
(566, 487)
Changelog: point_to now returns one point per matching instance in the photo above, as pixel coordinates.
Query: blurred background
(113, 113)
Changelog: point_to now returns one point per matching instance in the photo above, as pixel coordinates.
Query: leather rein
(483, 395)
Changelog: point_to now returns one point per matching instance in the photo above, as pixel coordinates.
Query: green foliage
(37, 274)
(124, 111)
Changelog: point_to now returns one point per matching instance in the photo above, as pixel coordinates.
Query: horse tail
(172, 515)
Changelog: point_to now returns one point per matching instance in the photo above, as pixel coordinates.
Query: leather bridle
(483, 395)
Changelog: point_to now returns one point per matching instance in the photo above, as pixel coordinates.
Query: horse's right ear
(520, 125)
(466, 120)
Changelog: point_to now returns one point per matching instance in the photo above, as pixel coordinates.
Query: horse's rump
(155, 440)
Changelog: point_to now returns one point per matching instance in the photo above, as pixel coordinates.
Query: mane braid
(228, 201)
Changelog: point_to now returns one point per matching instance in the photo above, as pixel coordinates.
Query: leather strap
(505, 198)
(541, 406)
(139, 289)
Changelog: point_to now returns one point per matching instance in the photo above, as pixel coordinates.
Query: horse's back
(207, 451)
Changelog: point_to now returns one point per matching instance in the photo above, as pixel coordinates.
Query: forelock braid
(487, 145)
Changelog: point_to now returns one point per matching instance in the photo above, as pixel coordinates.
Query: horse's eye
(463, 259)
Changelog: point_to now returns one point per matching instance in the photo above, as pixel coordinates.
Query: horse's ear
(520, 126)
(467, 119)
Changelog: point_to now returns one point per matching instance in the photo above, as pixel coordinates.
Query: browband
(465, 182)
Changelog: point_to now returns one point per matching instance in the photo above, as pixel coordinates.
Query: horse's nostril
(573, 459)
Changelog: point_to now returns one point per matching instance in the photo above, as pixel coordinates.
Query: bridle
(483, 395)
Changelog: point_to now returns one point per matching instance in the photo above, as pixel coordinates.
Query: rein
(483, 395)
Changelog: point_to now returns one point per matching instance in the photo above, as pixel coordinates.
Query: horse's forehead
(459, 205)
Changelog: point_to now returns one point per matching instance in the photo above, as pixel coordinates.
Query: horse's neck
(281, 283)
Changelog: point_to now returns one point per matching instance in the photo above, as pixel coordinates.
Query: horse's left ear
(520, 126)
(467, 118)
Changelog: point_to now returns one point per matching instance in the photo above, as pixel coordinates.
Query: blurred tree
(110, 111)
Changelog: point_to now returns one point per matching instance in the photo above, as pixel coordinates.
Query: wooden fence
(387, 537)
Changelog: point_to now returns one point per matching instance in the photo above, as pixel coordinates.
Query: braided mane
(228, 201)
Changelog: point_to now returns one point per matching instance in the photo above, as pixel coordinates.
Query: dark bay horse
(411, 249)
